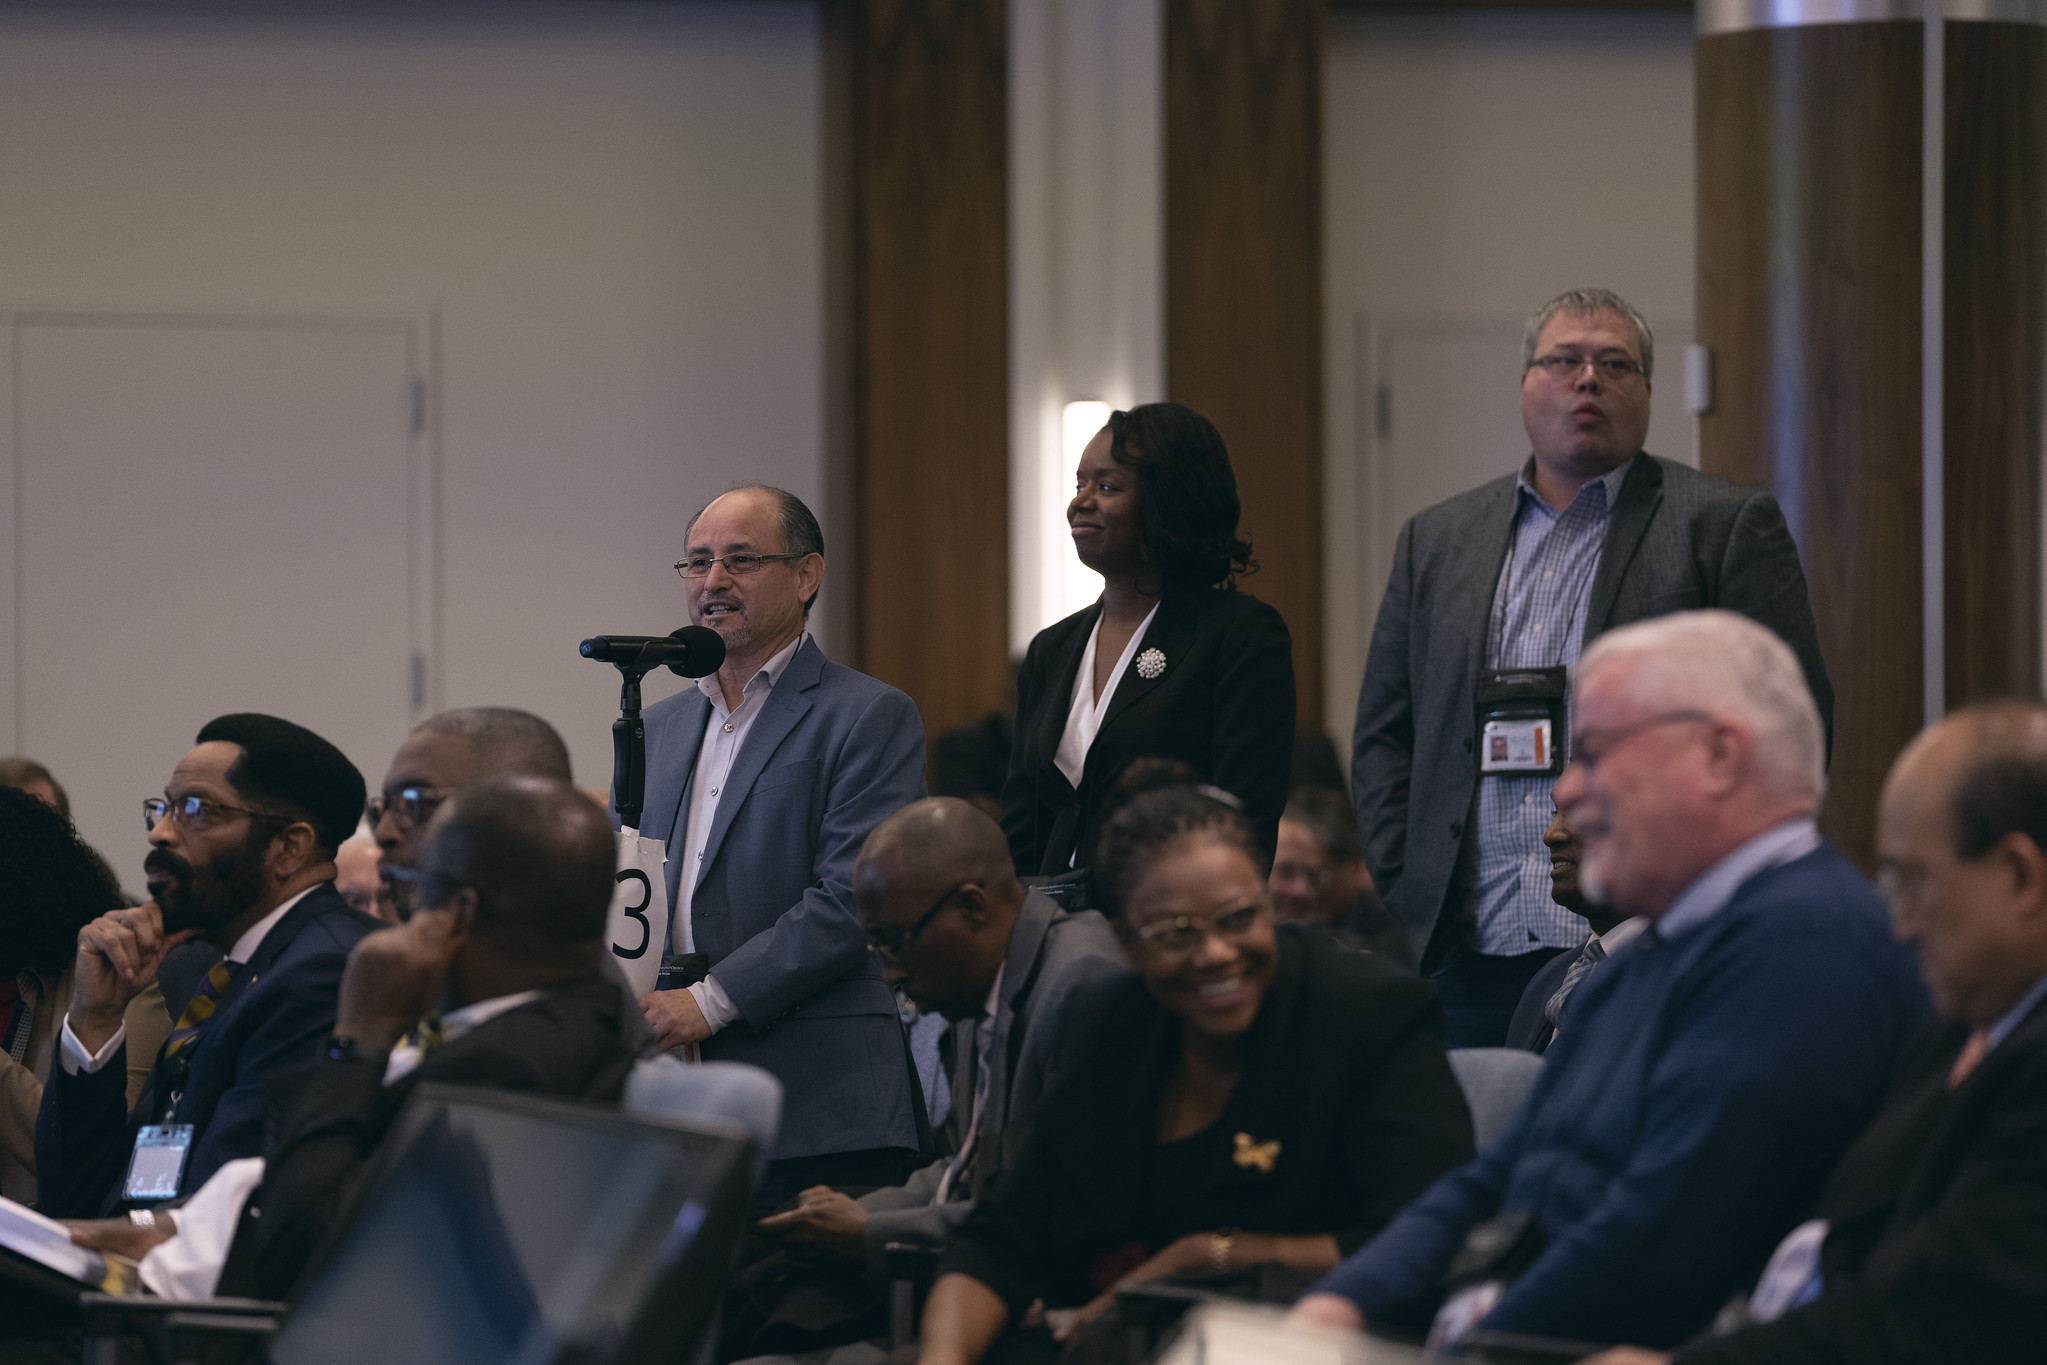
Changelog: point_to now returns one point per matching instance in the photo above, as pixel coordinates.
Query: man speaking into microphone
(763, 780)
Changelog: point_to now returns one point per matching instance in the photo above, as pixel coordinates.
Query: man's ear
(463, 906)
(292, 850)
(973, 905)
(2026, 865)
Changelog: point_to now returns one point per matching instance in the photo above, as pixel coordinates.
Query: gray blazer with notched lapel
(1678, 540)
(1051, 953)
(831, 755)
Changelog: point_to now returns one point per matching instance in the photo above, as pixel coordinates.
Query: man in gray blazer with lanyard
(763, 780)
(1461, 721)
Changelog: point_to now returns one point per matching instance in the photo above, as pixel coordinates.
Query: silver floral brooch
(1151, 663)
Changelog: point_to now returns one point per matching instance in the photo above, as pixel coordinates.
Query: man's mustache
(160, 860)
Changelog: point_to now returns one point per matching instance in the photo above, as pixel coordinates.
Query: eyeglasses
(410, 806)
(699, 566)
(1611, 367)
(1184, 933)
(889, 944)
(1587, 757)
(193, 813)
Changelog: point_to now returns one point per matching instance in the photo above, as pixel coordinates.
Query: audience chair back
(733, 1093)
(1496, 1082)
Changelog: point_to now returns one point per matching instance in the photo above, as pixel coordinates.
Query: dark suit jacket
(1345, 1070)
(1052, 954)
(1224, 704)
(330, 1115)
(1938, 1247)
(1530, 1029)
(277, 1006)
(1683, 1123)
(1678, 540)
(830, 756)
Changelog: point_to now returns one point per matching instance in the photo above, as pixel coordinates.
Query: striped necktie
(426, 1036)
(200, 1007)
(1588, 957)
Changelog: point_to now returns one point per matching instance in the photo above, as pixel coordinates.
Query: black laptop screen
(503, 1228)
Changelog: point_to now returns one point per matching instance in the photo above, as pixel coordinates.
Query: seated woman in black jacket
(1252, 1095)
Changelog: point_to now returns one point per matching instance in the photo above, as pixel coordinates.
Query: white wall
(1087, 264)
(1477, 165)
(612, 211)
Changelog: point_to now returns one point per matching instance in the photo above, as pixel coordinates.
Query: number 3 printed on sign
(637, 913)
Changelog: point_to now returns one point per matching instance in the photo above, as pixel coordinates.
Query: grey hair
(800, 532)
(508, 742)
(1726, 664)
(1578, 302)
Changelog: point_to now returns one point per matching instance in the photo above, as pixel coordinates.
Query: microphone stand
(629, 745)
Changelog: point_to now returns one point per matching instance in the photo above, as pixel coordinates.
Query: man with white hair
(1716, 1066)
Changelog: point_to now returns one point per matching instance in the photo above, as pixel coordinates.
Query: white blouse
(1084, 716)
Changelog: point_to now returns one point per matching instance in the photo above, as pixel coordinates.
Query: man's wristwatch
(143, 1218)
(1219, 1244)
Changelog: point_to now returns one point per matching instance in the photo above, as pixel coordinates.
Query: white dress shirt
(72, 1054)
(188, 1265)
(1084, 716)
(724, 736)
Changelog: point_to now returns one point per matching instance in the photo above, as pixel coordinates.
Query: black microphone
(690, 652)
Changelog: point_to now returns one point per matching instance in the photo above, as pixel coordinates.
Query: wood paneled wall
(918, 129)
(1809, 285)
(1244, 279)
(1995, 253)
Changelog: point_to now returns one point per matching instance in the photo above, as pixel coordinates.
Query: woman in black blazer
(1206, 673)
(1254, 1095)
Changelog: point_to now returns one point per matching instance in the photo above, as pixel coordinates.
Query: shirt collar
(1610, 481)
(1714, 887)
(252, 937)
(2016, 1015)
(406, 1057)
(995, 993)
(1610, 942)
(770, 673)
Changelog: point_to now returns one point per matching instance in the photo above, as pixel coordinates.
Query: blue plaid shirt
(1538, 621)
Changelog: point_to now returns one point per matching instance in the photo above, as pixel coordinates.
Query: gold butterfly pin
(1252, 1154)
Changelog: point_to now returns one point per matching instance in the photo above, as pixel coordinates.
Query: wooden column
(1244, 279)
(918, 139)
(1809, 296)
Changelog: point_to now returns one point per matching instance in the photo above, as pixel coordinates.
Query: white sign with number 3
(638, 932)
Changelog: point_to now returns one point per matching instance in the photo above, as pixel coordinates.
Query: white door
(212, 516)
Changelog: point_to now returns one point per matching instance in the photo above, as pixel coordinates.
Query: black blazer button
(1467, 745)
(1456, 828)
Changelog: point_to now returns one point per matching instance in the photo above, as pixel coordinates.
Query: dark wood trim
(1808, 294)
(1995, 253)
(925, 96)
(1244, 279)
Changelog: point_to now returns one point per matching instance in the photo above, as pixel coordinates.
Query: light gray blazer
(831, 754)
(1678, 540)
(1050, 953)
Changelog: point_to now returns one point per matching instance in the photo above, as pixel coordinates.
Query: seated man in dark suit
(241, 856)
(1933, 1247)
(1715, 1068)
(960, 936)
(495, 981)
(1541, 1011)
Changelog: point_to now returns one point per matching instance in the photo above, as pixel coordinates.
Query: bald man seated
(954, 929)
(496, 980)
(1931, 1240)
